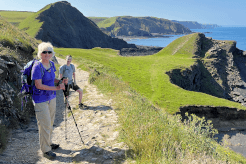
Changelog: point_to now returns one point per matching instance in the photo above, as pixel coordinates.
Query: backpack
(26, 80)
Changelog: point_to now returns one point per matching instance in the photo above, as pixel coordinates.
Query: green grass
(97, 19)
(15, 17)
(135, 84)
(31, 25)
(154, 136)
(147, 74)
(107, 22)
(14, 40)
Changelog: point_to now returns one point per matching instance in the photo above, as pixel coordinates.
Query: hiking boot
(50, 155)
(54, 146)
(82, 106)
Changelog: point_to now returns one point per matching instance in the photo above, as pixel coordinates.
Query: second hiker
(68, 70)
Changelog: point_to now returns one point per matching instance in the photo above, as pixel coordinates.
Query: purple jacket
(48, 77)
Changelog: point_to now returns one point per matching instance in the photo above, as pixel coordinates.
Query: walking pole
(69, 108)
(65, 118)
(65, 113)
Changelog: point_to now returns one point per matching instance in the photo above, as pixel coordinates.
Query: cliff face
(144, 26)
(220, 73)
(65, 26)
(16, 48)
(196, 25)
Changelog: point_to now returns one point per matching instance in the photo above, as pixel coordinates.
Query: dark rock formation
(218, 74)
(140, 51)
(223, 113)
(10, 84)
(221, 117)
(65, 26)
(144, 26)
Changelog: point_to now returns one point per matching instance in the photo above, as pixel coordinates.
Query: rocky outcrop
(16, 49)
(65, 26)
(220, 72)
(11, 112)
(222, 117)
(144, 26)
(140, 51)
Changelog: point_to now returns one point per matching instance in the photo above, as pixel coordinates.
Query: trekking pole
(69, 108)
(65, 112)
(65, 118)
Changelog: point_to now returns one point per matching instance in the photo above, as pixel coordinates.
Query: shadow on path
(93, 154)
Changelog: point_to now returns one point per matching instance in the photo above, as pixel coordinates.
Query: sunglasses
(45, 52)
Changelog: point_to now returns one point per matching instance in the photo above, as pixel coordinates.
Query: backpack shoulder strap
(52, 64)
(73, 67)
(41, 68)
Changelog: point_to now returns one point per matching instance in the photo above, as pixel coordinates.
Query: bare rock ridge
(65, 26)
(220, 73)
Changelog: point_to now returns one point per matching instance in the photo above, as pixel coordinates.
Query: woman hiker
(44, 97)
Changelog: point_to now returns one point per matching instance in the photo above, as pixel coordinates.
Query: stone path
(97, 125)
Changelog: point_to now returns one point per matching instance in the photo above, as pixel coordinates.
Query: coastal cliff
(196, 25)
(218, 73)
(139, 26)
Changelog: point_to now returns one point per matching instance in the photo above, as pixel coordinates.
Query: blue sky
(221, 12)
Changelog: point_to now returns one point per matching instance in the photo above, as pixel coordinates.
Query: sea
(237, 34)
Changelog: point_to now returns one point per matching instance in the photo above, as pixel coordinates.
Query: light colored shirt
(67, 71)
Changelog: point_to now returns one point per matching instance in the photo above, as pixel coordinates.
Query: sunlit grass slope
(97, 19)
(31, 25)
(12, 37)
(107, 22)
(147, 74)
(15, 17)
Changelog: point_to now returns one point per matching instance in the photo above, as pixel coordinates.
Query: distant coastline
(128, 38)
(219, 33)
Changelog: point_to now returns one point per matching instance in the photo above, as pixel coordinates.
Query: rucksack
(26, 80)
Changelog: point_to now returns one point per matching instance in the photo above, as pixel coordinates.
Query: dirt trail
(97, 125)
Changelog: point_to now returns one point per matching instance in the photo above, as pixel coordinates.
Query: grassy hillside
(13, 39)
(153, 136)
(134, 83)
(31, 25)
(146, 74)
(97, 19)
(15, 17)
(106, 22)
